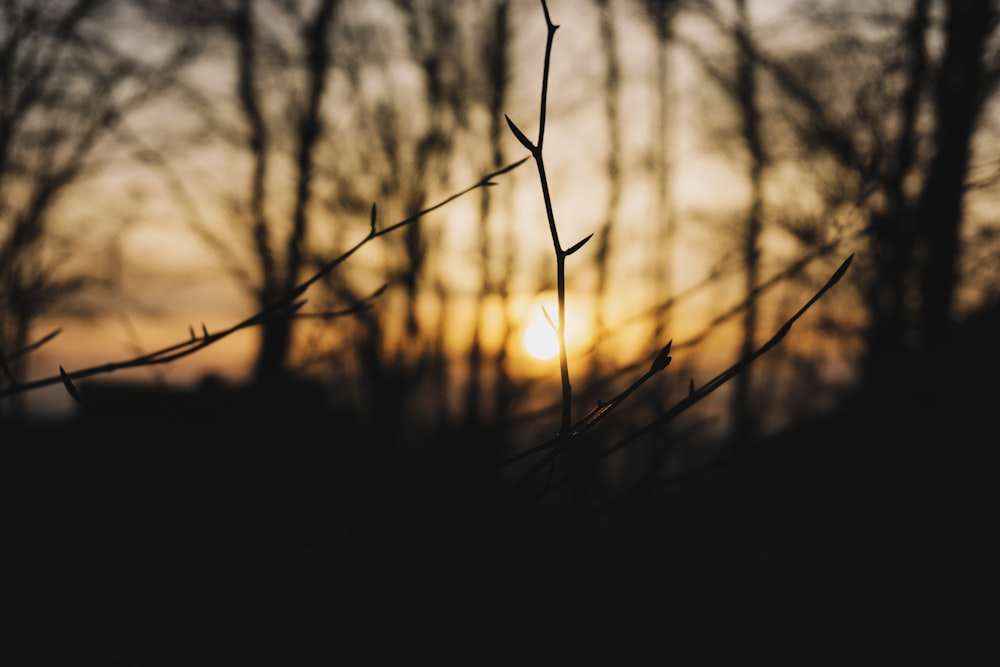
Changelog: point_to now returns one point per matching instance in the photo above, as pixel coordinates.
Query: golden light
(537, 340)
(540, 339)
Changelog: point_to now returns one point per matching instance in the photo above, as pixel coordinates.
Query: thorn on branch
(70, 387)
(520, 135)
(548, 18)
(578, 245)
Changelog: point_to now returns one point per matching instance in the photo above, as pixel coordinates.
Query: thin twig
(561, 254)
(791, 270)
(695, 395)
(733, 370)
(287, 306)
(5, 368)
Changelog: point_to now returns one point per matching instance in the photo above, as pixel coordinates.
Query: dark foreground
(194, 543)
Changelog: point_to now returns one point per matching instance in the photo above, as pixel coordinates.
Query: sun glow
(540, 339)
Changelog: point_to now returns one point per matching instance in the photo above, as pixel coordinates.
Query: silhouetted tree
(962, 88)
(494, 57)
(610, 97)
(662, 15)
(69, 85)
(280, 270)
(739, 80)
(417, 138)
(906, 148)
(270, 125)
(750, 123)
(740, 83)
(897, 133)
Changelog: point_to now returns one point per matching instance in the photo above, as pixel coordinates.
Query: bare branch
(284, 307)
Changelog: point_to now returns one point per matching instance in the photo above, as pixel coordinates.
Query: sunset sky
(172, 279)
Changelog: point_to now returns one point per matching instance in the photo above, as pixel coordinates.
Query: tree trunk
(893, 229)
(272, 354)
(744, 426)
(909, 405)
(959, 99)
(276, 334)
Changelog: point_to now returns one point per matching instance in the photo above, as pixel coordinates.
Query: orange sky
(191, 291)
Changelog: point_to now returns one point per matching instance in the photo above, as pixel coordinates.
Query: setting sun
(537, 340)
(540, 339)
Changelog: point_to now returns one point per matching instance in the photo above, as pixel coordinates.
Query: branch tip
(577, 245)
(520, 135)
(70, 387)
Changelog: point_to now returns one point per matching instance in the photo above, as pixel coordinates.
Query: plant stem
(567, 391)
(565, 425)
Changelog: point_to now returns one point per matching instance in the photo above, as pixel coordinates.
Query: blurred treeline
(737, 153)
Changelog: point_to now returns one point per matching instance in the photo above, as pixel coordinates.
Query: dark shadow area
(194, 528)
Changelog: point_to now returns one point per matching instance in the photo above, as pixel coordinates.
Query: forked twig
(535, 148)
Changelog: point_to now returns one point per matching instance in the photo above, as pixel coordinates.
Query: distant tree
(882, 123)
(610, 97)
(494, 90)
(418, 130)
(738, 77)
(891, 103)
(280, 268)
(967, 77)
(70, 82)
(662, 15)
(904, 141)
(321, 111)
(274, 126)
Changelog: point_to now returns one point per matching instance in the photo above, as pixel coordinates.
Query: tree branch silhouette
(561, 254)
(287, 306)
(693, 397)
